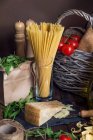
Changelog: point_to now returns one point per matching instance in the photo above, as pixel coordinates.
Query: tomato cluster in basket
(68, 44)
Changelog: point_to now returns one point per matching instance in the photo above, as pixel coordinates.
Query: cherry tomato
(64, 38)
(76, 37)
(74, 43)
(64, 137)
(61, 44)
(67, 49)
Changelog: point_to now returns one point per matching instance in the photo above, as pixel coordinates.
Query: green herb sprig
(13, 109)
(47, 133)
(11, 61)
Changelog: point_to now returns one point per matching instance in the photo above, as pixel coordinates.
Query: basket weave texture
(74, 73)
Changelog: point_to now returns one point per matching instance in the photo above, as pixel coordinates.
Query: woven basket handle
(80, 13)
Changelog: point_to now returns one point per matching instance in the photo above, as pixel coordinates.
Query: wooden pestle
(86, 113)
(29, 51)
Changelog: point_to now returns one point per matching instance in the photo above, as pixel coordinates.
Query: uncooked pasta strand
(45, 39)
(55, 42)
(49, 41)
(45, 85)
(40, 42)
(32, 41)
(44, 47)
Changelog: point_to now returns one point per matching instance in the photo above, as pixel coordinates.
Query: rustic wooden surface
(58, 95)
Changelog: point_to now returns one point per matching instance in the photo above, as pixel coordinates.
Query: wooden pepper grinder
(29, 51)
(20, 38)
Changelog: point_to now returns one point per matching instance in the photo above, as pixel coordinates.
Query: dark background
(12, 11)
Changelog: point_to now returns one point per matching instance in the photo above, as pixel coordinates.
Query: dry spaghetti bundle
(44, 39)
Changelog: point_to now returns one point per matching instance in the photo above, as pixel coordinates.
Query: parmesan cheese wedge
(37, 113)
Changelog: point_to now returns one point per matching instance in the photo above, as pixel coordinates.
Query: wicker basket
(74, 73)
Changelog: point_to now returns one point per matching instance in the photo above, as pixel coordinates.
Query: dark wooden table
(60, 95)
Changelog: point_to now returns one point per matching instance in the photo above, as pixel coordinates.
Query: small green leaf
(14, 108)
(8, 68)
(11, 61)
(57, 134)
(49, 132)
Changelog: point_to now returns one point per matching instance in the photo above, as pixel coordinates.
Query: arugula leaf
(11, 61)
(8, 68)
(6, 111)
(13, 109)
(47, 133)
(57, 134)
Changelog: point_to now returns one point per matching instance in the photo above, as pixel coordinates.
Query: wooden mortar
(11, 130)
